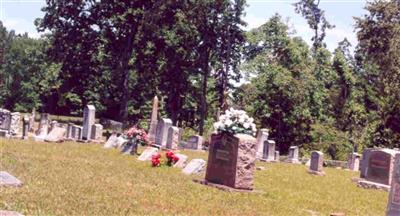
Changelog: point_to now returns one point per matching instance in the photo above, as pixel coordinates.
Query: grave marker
(182, 161)
(112, 141)
(393, 207)
(353, 161)
(57, 134)
(5, 121)
(8, 180)
(25, 128)
(316, 164)
(293, 156)
(97, 132)
(15, 123)
(88, 121)
(153, 121)
(173, 138)
(269, 150)
(147, 153)
(162, 132)
(262, 136)
(195, 166)
(195, 142)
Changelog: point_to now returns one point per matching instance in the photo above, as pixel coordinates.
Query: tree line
(195, 55)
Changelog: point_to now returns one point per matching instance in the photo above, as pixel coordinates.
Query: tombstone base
(373, 185)
(322, 173)
(9, 213)
(221, 187)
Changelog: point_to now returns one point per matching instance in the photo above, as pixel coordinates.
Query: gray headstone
(15, 123)
(112, 141)
(269, 150)
(393, 207)
(153, 121)
(262, 136)
(25, 128)
(57, 134)
(8, 180)
(43, 125)
(76, 132)
(5, 120)
(147, 153)
(194, 166)
(380, 166)
(88, 121)
(97, 132)
(162, 131)
(317, 159)
(293, 156)
(195, 142)
(353, 162)
(173, 138)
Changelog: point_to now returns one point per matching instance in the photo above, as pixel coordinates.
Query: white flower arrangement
(235, 121)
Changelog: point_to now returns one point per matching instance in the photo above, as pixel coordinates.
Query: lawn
(85, 179)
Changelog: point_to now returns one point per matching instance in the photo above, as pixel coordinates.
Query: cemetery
(200, 107)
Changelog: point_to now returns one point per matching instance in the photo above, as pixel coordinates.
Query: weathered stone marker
(194, 166)
(393, 207)
(97, 132)
(15, 123)
(269, 150)
(32, 121)
(231, 161)
(76, 133)
(112, 141)
(147, 153)
(353, 161)
(43, 125)
(8, 180)
(88, 121)
(25, 128)
(262, 136)
(195, 142)
(162, 132)
(293, 156)
(57, 134)
(5, 121)
(182, 161)
(173, 138)
(317, 160)
(153, 121)
(277, 155)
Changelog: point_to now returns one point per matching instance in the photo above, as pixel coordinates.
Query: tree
(315, 17)
(379, 41)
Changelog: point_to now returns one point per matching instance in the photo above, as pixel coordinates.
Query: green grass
(85, 179)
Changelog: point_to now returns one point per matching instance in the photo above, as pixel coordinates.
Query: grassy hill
(85, 179)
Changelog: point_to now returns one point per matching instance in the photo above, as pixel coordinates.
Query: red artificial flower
(170, 154)
(156, 156)
(175, 158)
(155, 162)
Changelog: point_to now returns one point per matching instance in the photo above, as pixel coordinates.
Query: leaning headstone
(147, 153)
(8, 180)
(15, 123)
(317, 160)
(353, 161)
(393, 207)
(182, 161)
(97, 132)
(195, 142)
(269, 150)
(88, 121)
(293, 156)
(5, 121)
(231, 161)
(262, 136)
(25, 127)
(57, 134)
(112, 141)
(173, 138)
(162, 132)
(194, 166)
(153, 121)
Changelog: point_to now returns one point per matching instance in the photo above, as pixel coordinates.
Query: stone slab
(195, 166)
(57, 134)
(8, 180)
(147, 153)
(372, 185)
(182, 161)
(112, 142)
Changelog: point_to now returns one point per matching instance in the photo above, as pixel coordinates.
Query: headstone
(43, 125)
(25, 128)
(76, 132)
(69, 131)
(162, 131)
(194, 166)
(88, 121)
(380, 166)
(231, 160)
(97, 132)
(182, 161)
(353, 161)
(121, 141)
(262, 136)
(269, 150)
(173, 138)
(5, 120)
(393, 207)
(293, 156)
(32, 121)
(195, 142)
(147, 153)
(15, 123)
(57, 134)
(277, 156)
(112, 141)
(153, 121)
(317, 160)
(53, 124)
(8, 180)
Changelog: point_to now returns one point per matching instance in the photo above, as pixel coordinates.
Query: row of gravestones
(55, 132)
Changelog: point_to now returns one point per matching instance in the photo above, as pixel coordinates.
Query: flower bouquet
(171, 159)
(234, 122)
(135, 137)
(155, 159)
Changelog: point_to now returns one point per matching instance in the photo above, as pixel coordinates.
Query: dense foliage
(193, 54)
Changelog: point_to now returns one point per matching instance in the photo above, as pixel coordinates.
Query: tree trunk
(203, 103)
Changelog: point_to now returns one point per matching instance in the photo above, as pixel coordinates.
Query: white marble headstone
(194, 166)
(88, 121)
(147, 153)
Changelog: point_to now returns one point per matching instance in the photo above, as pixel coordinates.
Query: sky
(20, 15)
